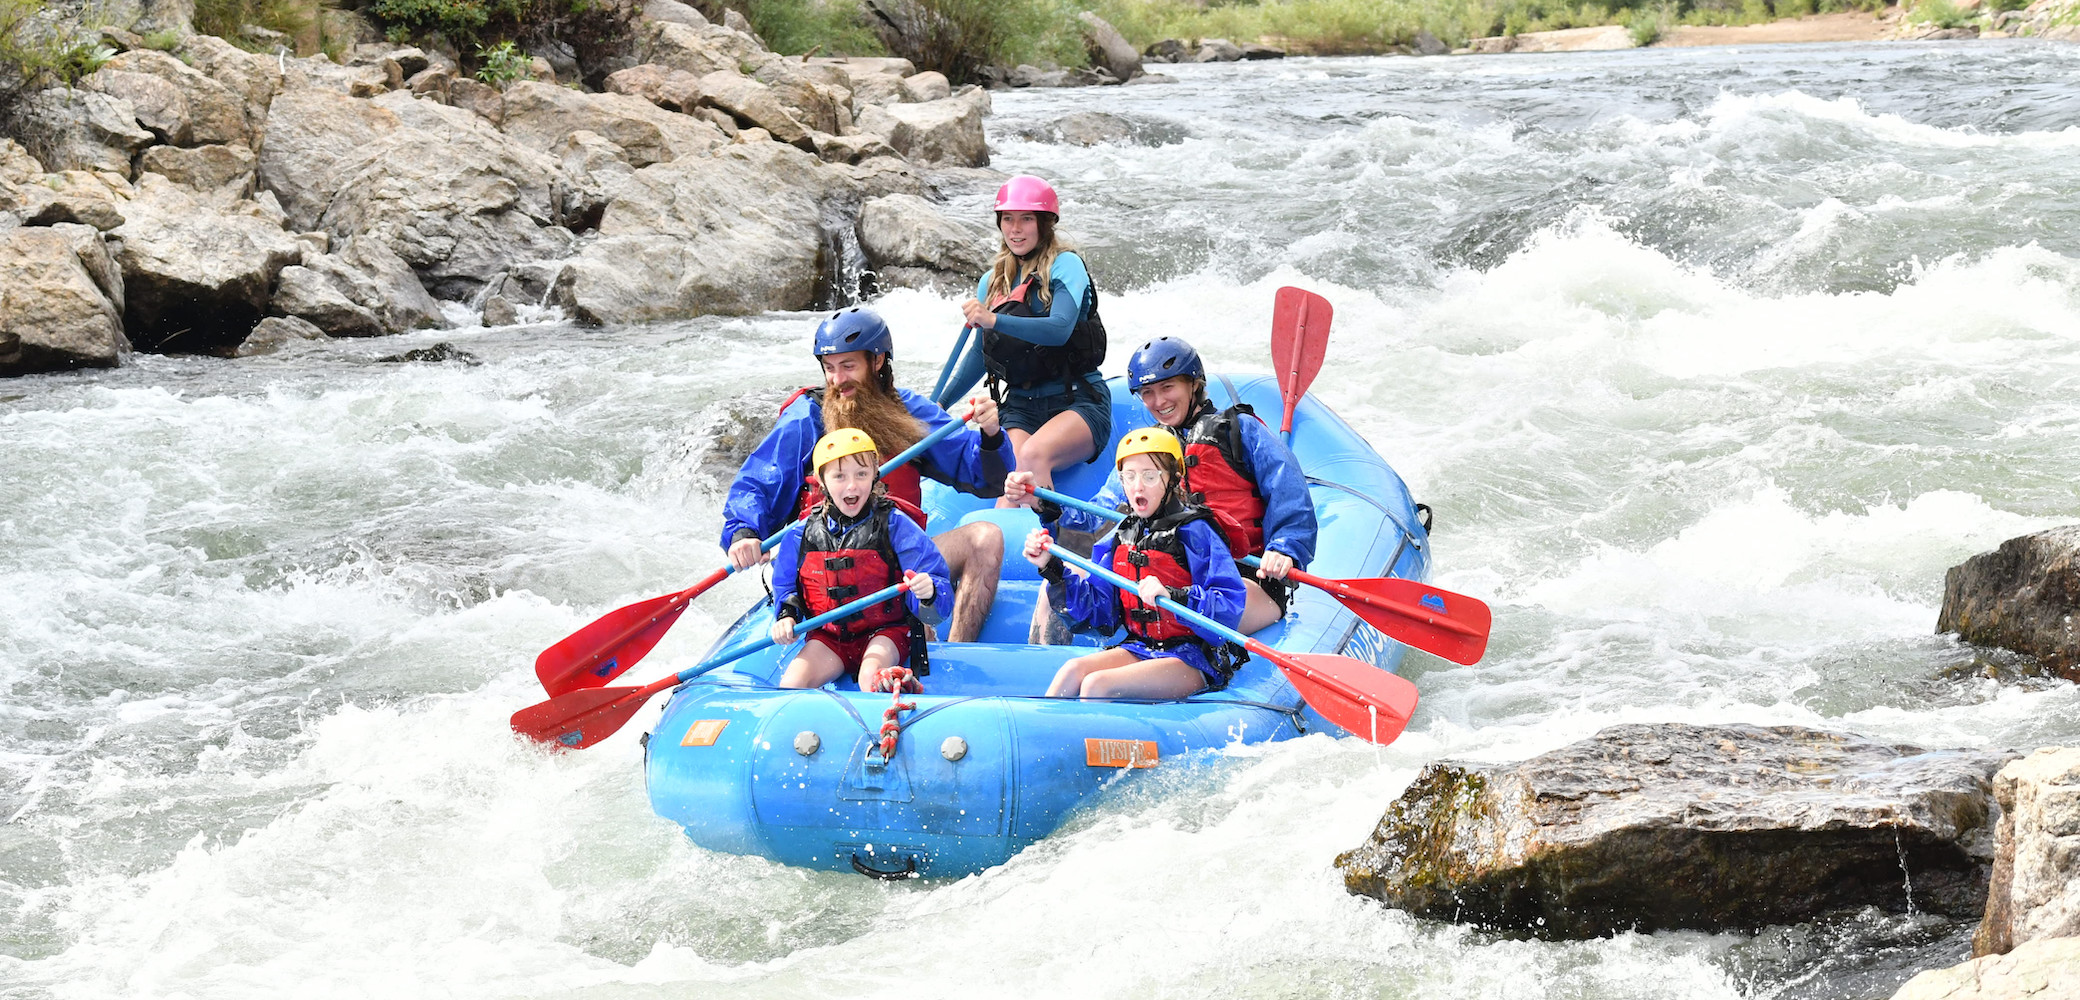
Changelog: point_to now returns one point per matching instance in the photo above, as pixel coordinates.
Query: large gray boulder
(737, 232)
(2040, 970)
(541, 117)
(2023, 596)
(254, 78)
(207, 169)
(309, 133)
(947, 132)
(911, 244)
(199, 110)
(1684, 826)
(754, 105)
(668, 88)
(816, 105)
(62, 303)
(1108, 48)
(2035, 892)
(197, 278)
(363, 290)
(80, 129)
(701, 50)
(594, 172)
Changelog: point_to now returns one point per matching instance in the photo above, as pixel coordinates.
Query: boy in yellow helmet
(854, 543)
(1174, 550)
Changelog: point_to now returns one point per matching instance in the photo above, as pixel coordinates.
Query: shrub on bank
(39, 49)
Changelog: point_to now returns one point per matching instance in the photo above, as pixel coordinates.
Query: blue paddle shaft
(1105, 512)
(953, 360)
(763, 641)
(1173, 607)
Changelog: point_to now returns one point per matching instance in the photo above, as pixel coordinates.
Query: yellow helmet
(1148, 440)
(840, 443)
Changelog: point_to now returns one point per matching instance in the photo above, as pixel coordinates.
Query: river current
(1711, 362)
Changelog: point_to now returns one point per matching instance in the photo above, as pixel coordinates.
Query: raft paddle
(1429, 618)
(578, 719)
(599, 652)
(1299, 339)
(1351, 693)
(957, 374)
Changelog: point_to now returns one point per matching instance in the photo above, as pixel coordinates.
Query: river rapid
(1711, 362)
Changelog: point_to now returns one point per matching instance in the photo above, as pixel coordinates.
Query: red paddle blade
(580, 718)
(603, 650)
(1358, 696)
(1299, 340)
(1435, 621)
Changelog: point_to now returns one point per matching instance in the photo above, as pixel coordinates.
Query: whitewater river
(1710, 361)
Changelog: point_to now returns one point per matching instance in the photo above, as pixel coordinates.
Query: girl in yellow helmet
(1174, 550)
(854, 543)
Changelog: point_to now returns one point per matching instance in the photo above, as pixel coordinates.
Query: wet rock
(275, 332)
(1683, 826)
(733, 428)
(2023, 596)
(498, 311)
(541, 117)
(911, 244)
(196, 278)
(1108, 48)
(62, 303)
(736, 232)
(1169, 50)
(364, 290)
(1217, 50)
(1254, 51)
(440, 353)
(207, 169)
(80, 130)
(1082, 128)
(668, 88)
(2035, 891)
(2039, 970)
(1427, 44)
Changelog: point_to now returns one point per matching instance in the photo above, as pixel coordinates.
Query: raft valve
(953, 748)
(807, 743)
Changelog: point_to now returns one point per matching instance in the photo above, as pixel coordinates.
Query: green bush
(796, 27)
(39, 50)
(960, 37)
(1942, 14)
(591, 27)
(223, 18)
(501, 64)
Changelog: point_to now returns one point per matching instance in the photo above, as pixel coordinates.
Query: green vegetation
(223, 18)
(480, 26)
(826, 26)
(39, 50)
(501, 64)
(1942, 14)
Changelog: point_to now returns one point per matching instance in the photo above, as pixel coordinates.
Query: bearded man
(777, 483)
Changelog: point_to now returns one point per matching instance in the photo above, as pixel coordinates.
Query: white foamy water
(1711, 363)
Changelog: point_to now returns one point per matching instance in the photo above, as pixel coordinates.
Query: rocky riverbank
(185, 200)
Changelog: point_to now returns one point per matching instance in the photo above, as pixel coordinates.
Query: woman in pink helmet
(1042, 340)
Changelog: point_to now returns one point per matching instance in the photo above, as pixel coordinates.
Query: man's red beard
(870, 409)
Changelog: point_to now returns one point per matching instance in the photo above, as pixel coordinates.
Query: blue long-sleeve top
(763, 496)
(1070, 285)
(1289, 524)
(914, 552)
(1216, 589)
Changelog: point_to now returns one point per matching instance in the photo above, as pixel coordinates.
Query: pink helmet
(1026, 193)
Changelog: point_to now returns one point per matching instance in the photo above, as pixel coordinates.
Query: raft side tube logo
(1368, 644)
(704, 733)
(1120, 753)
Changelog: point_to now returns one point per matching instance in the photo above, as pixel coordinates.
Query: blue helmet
(854, 329)
(1161, 358)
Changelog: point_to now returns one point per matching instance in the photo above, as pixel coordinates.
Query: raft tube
(984, 764)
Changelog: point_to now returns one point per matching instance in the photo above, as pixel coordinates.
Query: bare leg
(1046, 628)
(1162, 677)
(815, 666)
(1259, 611)
(880, 655)
(1068, 681)
(975, 557)
(1062, 441)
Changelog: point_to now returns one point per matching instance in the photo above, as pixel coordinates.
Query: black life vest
(1155, 547)
(1214, 460)
(1022, 364)
(857, 559)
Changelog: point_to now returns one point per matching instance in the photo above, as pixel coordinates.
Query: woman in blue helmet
(1037, 311)
(1234, 465)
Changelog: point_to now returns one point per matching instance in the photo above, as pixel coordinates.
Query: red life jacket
(905, 484)
(1214, 461)
(1155, 547)
(857, 560)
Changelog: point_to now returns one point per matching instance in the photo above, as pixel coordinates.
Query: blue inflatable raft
(984, 765)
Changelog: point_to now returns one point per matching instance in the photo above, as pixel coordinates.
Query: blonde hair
(1006, 269)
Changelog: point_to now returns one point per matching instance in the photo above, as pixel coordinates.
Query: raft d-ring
(909, 869)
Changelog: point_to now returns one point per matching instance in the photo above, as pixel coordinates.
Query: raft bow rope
(897, 678)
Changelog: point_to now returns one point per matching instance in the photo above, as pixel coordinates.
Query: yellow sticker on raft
(704, 733)
(1119, 753)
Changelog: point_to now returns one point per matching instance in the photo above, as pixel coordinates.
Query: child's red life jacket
(1214, 461)
(840, 567)
(1154, 547)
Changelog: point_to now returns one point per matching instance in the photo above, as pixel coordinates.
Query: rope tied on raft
(899, 681)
